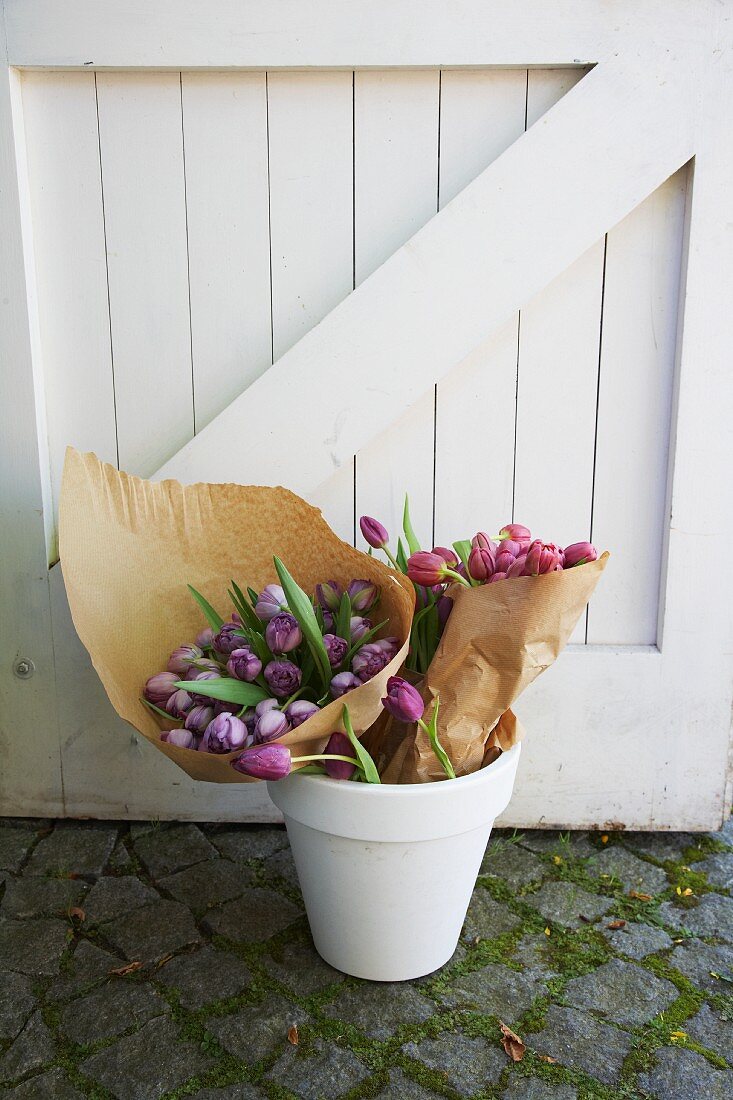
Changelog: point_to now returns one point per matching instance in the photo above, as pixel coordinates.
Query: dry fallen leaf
(293, 1035)
(547, 1058)
(128, 968)
(512, 1044)
(547, 931)
(604, 838)
(557, 860)
(161, 962)
(78, 913)
(585, 920)
(638, 896)
(616, 924)
(676, 1035)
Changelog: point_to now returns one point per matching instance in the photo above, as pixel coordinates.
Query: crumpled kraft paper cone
(498, 639)
(128, 549)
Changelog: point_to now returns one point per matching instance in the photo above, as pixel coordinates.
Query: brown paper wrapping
(498, 639)
(128, 549)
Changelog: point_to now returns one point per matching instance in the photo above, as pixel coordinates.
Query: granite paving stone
(495, 990)
(148, 1063)
(660, 846)
(208, 883)
(282, 865)
(299, 966)
(33, 947)
(205, 976)
(634, 873)
(637, 940)
(622, 991)
(711, 1030)
(513, 864)
(168, 849)
(33, 1048)
(255, 1032)
(242, 1090)
(112, 897)
(712, 916)
(467, 1064)
(706, 965)
(566, 904)
(379, 1009)
(579, 1041)
(254, 917)
(54, 1085)
(533, 953)
(73, 849)
(17, 1001)
(719, 869)
(402, 1087)
(680, 1074)
(35, 897)
(156, 930)
(487, 918)
(252, 843)
(110, 1010)
(88, 965)
(534, 1088)
(325, 1072)
(14, 844)
(725, 835)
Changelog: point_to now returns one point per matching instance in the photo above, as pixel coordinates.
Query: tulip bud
(329, 622)
(198, 718)
(228, 639)
(542, 557)
(579, 553)
(205, 639)
(481, 563)
(204, 665)
(403, 701)
(339, 745)
(448, 556)
(343, 682)
(426, 568)
(516, 569)
(244, 664)
(183, 739)
(195, 677)
(283, 678)
(374, 532)
(225, 733)
(363, 595)
(482, 541)
(283, 633)
(300, 711)
(160, 687)
(504, 558)
(270, 601)
(182, 658)
(336, 648)
(445, 606)
(370, 660)
(250, 720)
(266, 704)
(264, 762)
(179, 704)
(516, 532)
(270, 726)
(359, 625)
(497, 577)
(329, 595)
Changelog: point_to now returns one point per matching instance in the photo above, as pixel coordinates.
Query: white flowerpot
(387, 871)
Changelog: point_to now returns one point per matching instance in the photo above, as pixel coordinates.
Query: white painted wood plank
(482, 114)
(60, 115)
(227, 203)
(29, 732)
(312, 234)
(546, 87)
(145, 220)
(634, 410)
(395, 193)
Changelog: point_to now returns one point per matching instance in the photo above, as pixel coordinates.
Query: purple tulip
(283, 678)
(264, 762)
(198, 677)
(204, 665)
(336, 648)
(339, 745)
(270, 726)
(221, 706)
(160, 687)
(358, 627)
(363, 595)
(444, 606)
(182, 658)
(299, 712)
(250, 720)
(343, 682)
(183, 739)
(266, 704)
(283, 633)
(403, 701)
(329, 595)
(329, 621)
(579, 553)
(244, 664)
(226, 733)
(542, 557)
(198, 719)
(228, 639)
(374, 532)
(370, 660)
(179, 704)
(205, 639)
(271, 601)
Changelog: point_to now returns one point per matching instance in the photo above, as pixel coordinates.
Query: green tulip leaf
(156, 710)
(401, 556)
(226, 690)
(363, 641)
(213, 618)
(245, 610)
(301, 607)
(463, 549)
(343, 622)
(407, 528)
(367, 764)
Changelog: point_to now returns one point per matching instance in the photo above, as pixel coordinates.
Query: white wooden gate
(486, 248)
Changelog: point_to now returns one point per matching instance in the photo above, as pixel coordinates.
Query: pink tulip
(497, 577)
(426, 568)
(579, 553)
(517, 532)
(516, 569)
(374, 532)
(542, 557)
(481, 563)
(504, 558)
(447, 555)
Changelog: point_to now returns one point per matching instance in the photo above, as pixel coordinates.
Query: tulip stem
(432, 731)
(391, 557)
(326, 756)
(456, 576)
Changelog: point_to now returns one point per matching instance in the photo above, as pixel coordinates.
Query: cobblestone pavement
(144, 961)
